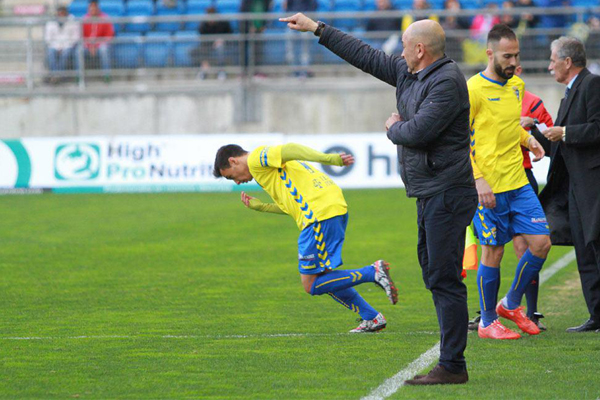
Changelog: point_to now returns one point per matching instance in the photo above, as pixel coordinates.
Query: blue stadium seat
(346, 6)
(369, 5)
(127, 50)
(157, 49)
(196, 7)
(139, 8)
(470, 4)
(228, 6)
(273, 49)
(184, 43)
(403, 4)
(114, 9)
(162, 11)
(278, 6)
(324, 5)
(78, 8)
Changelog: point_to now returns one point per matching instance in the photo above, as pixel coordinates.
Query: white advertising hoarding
(179, 163)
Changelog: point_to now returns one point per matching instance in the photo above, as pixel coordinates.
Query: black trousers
(443, 220)
(588, 260)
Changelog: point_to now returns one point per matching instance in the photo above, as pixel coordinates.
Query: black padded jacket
(433, 137)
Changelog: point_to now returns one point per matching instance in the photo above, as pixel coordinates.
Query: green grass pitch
(173, 296)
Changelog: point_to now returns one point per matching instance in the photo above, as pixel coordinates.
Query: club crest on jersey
(516, 89)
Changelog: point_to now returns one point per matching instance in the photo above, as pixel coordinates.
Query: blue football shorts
(320, 245)
(517, 212)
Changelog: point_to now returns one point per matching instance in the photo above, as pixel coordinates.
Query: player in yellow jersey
(318, 206)
(507, 204)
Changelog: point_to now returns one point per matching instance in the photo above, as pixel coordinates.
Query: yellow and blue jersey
(496, 132)
(298, 189)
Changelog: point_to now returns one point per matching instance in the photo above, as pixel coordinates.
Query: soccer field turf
(191, 295)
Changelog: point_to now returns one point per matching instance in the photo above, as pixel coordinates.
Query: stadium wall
(286, 106)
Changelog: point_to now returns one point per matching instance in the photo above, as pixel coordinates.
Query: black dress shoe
(439, 376)
(587, 326)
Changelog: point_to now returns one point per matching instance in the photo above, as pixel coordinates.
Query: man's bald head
(430, 33)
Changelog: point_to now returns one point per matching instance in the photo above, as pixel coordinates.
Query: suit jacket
(575, 162)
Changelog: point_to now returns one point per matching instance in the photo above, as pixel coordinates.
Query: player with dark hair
(318, 206)
(507, 204)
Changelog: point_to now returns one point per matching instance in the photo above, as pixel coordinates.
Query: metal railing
(185, 57)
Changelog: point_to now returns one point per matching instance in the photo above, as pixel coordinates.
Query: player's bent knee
(542, 247)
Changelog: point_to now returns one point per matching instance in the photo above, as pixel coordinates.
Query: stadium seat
(470, 4)
(196, 7)
(126, 50)
(346, 6)
(369, 5)
(162, 11)
(139, 9)
(228, 6)
(114, 9)
(78, 8)
(273, 49)
(403, 4)
(184, 43)
(324, 5)
(157, 49)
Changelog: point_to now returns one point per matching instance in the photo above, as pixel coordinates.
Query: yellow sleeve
(265, 157)
(298, 152)
(474, 101)
(257, 205)
(525, 138)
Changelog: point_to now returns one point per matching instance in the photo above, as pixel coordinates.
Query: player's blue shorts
(320, 245)
(517, 212)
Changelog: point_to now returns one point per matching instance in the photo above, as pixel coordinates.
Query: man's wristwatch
(320, 27)
(564, 129)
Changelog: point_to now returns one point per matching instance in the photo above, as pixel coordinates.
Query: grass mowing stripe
(391, 385)
(214, 337)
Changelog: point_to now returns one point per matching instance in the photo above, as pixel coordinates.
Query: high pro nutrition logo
(77, 161)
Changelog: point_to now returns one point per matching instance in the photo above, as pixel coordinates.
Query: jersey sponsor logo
(308, 257)
(538, 220)
(494, 98)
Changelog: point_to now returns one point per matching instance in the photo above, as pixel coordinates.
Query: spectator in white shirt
(62, 36)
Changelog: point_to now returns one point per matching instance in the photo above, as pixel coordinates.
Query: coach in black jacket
(431, 131)
(571, 198)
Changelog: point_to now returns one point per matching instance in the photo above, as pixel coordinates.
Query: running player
(507, 204)
(318, 206)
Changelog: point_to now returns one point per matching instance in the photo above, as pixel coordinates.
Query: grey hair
(570, 47)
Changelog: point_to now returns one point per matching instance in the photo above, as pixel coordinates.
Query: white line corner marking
(391, 385)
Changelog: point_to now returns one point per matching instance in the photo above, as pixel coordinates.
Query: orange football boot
(496, 330)
(518, 317)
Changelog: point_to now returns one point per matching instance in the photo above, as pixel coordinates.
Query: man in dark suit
(571, 198)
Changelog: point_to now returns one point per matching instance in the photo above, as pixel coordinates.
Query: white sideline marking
(215, 337)
(391, 385)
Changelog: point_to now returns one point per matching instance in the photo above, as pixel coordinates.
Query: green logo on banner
(23, 162)
(77, 161)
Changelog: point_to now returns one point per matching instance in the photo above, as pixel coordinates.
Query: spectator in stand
(253, 26)
(527, 20)
(169, 3)
(483, 23)
(454, 21)
(61, 36)
(389, 24)
(391, 44)
(211, 48)
(418, 5)
(512, 20)
(97, 36)
(301, 44)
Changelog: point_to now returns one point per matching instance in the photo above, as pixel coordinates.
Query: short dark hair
(93, 1)
(222, 158)
(499, 32)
